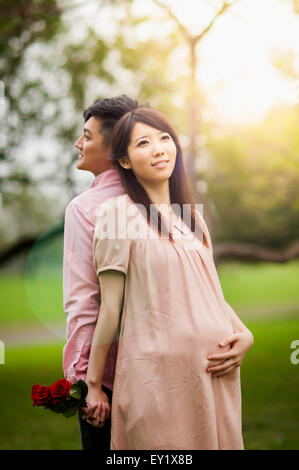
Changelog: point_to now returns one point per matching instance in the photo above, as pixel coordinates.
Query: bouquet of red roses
(61, 396)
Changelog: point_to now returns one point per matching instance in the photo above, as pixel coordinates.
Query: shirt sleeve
(81, 290)
(111, 245)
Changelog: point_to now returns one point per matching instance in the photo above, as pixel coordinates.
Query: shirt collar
(107, 176)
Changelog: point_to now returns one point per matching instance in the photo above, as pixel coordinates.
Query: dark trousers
(96, 438)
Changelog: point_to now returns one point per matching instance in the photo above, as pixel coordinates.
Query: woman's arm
(112, 290)
(238, 326)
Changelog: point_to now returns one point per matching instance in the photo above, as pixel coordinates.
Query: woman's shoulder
(204, 227)
(200, 219)
(200, 216)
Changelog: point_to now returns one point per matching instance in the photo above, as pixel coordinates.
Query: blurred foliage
(23, 23)
(81, 63)
(50, 76)
(26, 27)
(253, 180)
(148, 65)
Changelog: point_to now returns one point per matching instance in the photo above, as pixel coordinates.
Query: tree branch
(175, 18)
(224, 7)
(184, 30)
(254, 252)
(221, 251)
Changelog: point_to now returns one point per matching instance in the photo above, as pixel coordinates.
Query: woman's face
(151, 154)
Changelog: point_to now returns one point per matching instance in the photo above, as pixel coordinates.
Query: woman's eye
(165, 137)
(142, 142)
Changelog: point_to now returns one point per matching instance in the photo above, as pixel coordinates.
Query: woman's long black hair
(178, 185)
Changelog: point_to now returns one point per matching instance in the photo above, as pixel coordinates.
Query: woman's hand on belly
(224, 363)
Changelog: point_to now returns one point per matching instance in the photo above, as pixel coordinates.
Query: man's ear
(125, 162)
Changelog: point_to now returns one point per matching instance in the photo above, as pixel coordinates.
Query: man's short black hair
(109, 110)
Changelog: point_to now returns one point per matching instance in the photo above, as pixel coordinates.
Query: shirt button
(116, 247)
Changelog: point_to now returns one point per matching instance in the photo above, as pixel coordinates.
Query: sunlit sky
(235, 70)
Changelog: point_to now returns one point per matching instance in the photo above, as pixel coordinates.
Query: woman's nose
(158, 150)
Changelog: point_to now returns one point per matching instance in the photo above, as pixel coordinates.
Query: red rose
(43, 395)
(60, 390)
(34, 393)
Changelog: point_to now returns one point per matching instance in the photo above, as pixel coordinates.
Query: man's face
(94, 156)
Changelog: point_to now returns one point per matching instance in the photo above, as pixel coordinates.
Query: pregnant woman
(162, 299)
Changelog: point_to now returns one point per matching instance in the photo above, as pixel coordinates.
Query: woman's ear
(125, 163)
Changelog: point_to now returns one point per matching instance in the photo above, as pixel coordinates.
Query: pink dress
(174, 315)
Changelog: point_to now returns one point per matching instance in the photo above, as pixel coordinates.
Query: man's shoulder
(88, 201)
(81, 200)
(91, 198)
(115, 201)
(112, 204)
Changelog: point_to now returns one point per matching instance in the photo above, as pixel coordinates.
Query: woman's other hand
(223, 363)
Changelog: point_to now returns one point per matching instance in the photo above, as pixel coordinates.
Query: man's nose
(78, 143)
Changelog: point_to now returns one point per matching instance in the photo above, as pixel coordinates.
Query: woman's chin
(154, 179)
(163, 176)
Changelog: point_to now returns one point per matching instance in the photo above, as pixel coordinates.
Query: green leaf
(79, 390)
(75, 392)
(70, 411)
(84, 388)
(57, 408)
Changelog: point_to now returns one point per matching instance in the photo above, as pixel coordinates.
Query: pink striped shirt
(81, 290)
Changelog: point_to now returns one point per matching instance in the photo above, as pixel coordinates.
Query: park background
(226, 73)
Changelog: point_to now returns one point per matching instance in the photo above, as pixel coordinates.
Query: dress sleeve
(111, 245)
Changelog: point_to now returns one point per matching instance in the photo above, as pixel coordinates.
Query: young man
(81, 291)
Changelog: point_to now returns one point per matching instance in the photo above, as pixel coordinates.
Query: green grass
(29, 301)
(257, 285)
(15, 308)
(269, 383)
(35, 297)
(22, 425)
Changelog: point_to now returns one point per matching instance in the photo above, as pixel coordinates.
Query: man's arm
(81, 291)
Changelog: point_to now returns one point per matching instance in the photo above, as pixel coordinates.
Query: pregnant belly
(160, 337)
(196, 344)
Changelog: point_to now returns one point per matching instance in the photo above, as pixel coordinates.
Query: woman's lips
(161, 164)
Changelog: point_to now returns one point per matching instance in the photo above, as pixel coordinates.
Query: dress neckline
(178, 223)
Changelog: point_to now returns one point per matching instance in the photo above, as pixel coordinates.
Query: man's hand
(240, 343)
(87, 411)
(98, 407)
